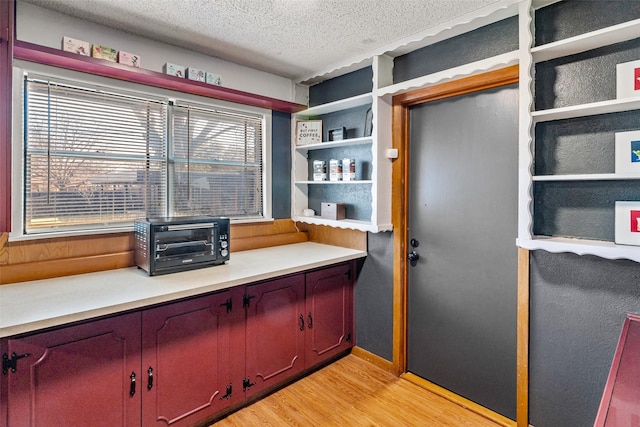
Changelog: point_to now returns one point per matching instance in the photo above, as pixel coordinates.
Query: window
(96, 157)
(92, 158)
(216, 162)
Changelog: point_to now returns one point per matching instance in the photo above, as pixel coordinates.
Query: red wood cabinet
(329, 310)
(180, 363)
(185, 360)
(77, 376)
(275, 332)
(296, 323)
(168, 365)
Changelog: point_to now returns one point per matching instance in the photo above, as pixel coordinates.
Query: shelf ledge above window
(61, 59)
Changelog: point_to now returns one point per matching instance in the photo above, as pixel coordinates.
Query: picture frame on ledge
(628, 79)
(308, 132)
(628, 153)
(627, 224)
(368, 123)
(337, 134)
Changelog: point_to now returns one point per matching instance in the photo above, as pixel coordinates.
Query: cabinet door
(77, 376)
(274, 332)
(329, 313)
(185, 361)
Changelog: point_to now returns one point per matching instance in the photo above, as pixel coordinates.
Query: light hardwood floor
(353, 392)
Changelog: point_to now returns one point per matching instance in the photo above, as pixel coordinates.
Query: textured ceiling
(290, 38)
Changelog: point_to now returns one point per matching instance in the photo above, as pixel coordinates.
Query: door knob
(413, 258)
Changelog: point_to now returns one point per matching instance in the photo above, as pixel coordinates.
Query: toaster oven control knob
(224, 244)
(224, 252)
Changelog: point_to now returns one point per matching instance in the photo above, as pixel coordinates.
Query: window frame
(21, 68)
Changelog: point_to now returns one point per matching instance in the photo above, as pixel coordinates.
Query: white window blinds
(97, 158)
(216, 162)
(92, 158)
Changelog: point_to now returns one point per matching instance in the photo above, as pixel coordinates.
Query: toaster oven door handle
(190, 226)
(165, 246)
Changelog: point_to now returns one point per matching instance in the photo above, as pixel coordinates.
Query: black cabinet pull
(149, 378)
(132, 387)
(228, 304)
(246, 300)
(228, 394)
(310, 321)
(301, 322)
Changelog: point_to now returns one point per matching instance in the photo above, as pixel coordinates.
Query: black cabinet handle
(132, 387)
(301, 322)
(228, 394)
(149, 378)
(310, 321)
(228, 304)
(246, 300)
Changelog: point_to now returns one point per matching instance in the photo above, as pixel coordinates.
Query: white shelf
(351, 224)
(584, 110)
(585, 177)
(334, 182)
(528, 118)
(333, 144)
(584, 42)
(343, 104)
(599, 248)
(467, 70)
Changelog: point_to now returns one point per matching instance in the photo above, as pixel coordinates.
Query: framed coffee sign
(308, 132)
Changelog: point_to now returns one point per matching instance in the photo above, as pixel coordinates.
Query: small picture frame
(628, 79)
(308, 132)
(628, 153)
(368, 123)
(337, 134)
(627, 224)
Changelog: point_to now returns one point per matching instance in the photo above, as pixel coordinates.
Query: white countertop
(39, 304)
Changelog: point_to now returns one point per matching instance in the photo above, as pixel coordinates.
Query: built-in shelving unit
(580, 44)
(374, 188)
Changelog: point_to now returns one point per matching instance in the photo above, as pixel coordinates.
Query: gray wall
(374, 297)
(578, 306)
(495, 39)
(352, 84)
(281, 164)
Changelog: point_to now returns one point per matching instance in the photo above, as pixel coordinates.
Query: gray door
(462, 291)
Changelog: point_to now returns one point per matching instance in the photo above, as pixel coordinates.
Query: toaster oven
(171, 244)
